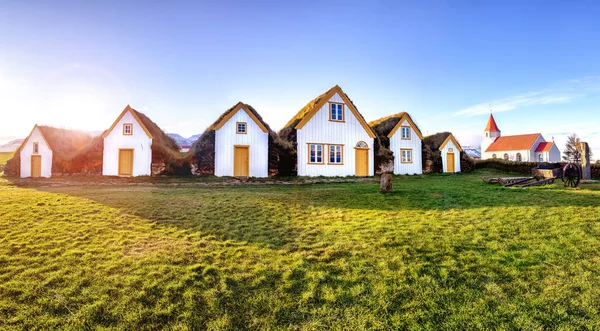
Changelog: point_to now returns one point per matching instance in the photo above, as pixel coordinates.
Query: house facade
(521, 148)
(127, 147)
(406, 143)
(35, 155)
(450, 152)
(241, 143)
(332, 137)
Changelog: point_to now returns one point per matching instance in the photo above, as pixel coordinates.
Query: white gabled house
(405, 142)
(332, 138)
(241, 143)
(35, 155)
(127, 146)
(450, 151)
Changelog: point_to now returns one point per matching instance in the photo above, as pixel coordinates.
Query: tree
(572, 152)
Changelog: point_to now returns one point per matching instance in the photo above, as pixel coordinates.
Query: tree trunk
(586, 171)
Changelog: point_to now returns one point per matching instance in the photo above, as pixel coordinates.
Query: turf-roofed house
(133, 143)
(442, 153)
(402, 137)
(331, 137)
(46, 151)
(241, 143)
(523, 148)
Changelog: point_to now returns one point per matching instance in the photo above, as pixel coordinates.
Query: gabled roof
(233, 110)
(491, 124)
(400, 117)
(451, 138)
(514, 143)
(63, 143)
(311, 108)
(29, 135)
(135, 115)
(544, 147)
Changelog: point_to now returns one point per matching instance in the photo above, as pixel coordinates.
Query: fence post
(586, 171)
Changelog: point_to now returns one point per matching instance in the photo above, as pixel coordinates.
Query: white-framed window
(362, 144)
(241, 127)
(315, 153)
(127, 129)
(336, 112)
(336, 154)
(494, 156)
(406, 132)
(450, 150)
(406, 155)
(506, 156)
(36, 147)
(519, 158)
(541, 157)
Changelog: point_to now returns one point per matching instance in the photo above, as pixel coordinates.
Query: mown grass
(442, 252)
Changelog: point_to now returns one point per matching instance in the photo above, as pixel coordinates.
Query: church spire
(491, 124)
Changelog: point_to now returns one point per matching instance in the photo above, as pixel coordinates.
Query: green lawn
(5, 156)
(442, 252)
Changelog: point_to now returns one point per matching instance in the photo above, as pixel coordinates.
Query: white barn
(35, 155)
(127, 146)
(405, 142)
(450, 151)
(241, 143)
(332, 138)
(522, 148)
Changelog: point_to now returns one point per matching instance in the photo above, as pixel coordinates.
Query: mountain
(194, 137)
(11, 146)
(472, 151)
(181, 141)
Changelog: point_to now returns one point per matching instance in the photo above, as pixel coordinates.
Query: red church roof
(491, 124)
(513, 143)
(544, 147)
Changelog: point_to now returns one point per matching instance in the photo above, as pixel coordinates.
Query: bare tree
(572, 152)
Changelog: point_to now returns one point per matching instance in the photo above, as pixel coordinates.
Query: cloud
(513, 102)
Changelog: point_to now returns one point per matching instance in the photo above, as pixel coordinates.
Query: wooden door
(36, 166)
(362, 162)
(125, 162)
(450, 162)
(241, 161)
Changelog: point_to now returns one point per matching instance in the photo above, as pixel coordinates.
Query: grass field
(5, 156)
(442, 252)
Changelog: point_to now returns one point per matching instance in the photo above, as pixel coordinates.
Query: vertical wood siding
(138, 141)
(445, 152)
(226, 137)
(321, 130)
(44, 151)
(397, 143)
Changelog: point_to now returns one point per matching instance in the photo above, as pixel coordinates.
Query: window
(506, 156)
(336, 113)
(406, 132)
(450, 150)
(541, 157)
(127, 129)
(362, 144)
(36, 147)
(486, 134)
(519, 157)
(336, 154)
(494, 156)
(406, 155)
(315, 153)
(241, 127)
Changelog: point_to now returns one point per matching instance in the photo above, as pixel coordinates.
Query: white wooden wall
(554, 154)
(226, 138)
(397, 143)
(43, 150)
(445, 151)
(138, 141)
(320, 130)
(531, 154)
(512, 155)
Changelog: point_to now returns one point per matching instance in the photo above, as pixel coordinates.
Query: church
(523, 148)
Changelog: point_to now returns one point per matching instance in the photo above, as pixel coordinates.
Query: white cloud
(513, 102)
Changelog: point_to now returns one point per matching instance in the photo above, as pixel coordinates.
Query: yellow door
(362, 162)
(36, 166)
(450, 162)
(125, 162)
(241, 161)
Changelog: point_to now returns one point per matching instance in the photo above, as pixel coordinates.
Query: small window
(36, 147)
(315, 153)
(450, 150)
(337, 112)
(486, 134)
(127, 129)
(506, 156)
(406, 132)
(519, 158)
(406, 155)
(541, 157)
(241, 127)
(494, 156)
(362, 144)
(335, 154)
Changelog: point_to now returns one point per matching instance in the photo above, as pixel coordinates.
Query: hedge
(521, 167)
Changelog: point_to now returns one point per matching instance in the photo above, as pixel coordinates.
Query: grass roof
(434, 141)
(384, 125)
(246, 106)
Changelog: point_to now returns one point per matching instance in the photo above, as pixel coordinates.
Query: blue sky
(76, 64)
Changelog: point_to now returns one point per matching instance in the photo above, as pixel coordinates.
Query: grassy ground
(5, 156)
(442, 252)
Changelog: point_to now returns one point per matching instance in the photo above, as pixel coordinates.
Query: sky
(77, 64)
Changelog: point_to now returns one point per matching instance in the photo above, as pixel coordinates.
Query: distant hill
(472, 151)
(11, 146)
(194, 137)
(181, 141)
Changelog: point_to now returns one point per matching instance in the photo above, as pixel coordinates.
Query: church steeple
(490, 134)
(491, 125)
